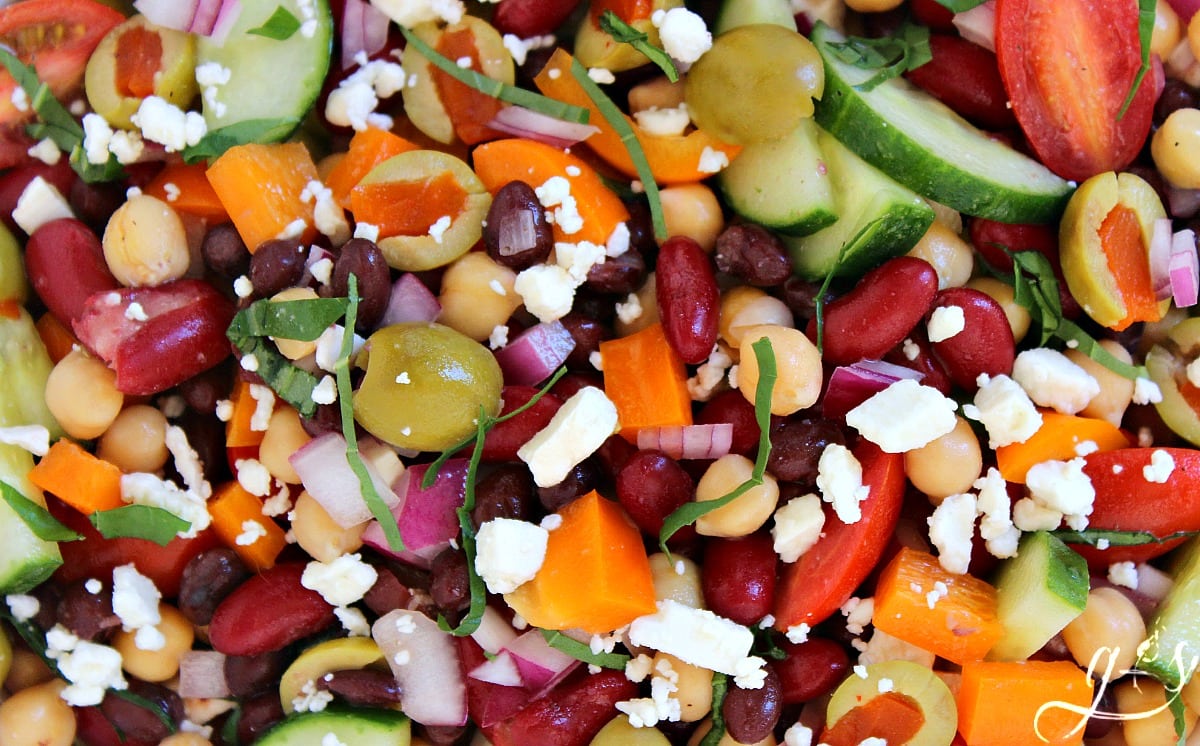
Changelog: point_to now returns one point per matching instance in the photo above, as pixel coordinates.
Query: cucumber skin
(1173, 637)
(355, 727)
(25, 560)
(1045, 567)
(844, 112)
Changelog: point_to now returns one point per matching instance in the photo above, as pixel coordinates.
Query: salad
(599, 373)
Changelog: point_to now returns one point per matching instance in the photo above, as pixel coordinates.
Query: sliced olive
(595, 48)
(174, 78)
(1168, 363)
(327, 657)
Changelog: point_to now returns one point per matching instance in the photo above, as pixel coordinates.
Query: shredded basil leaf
(623, 33)
(471, 621)
(720, 685)
(1116, 538)
(616, 119)
(819, 304)
(889, 56)
(495, 88)
(1146, 10)
(43, 525)
(582, 652)
(1179, 716)
(215, 142)
(229, 731)
(688, 513)
(280, 26)
(139, 522)
(379, 509)
(294, 385)
(958, 6)
(303, 320)
(766, 643)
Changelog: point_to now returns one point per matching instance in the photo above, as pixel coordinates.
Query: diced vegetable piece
(1174, 632)
(569, 715)
(238, 433)
(1000, 704)
(24, 367)
(960, 626)
(359, 726)
(238, 519)
(897, 700)
(673, 159)
(595, 576)
(57, 338)
(1038, 592)
(186, 188)
(426, 664)
(260, 187)
(1059, 437)
(367, 149)
(647, 382)
(25, 560)
(78, 478)
(14, 285)
(535, 163)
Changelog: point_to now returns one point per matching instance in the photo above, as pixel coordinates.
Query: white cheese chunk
(839, 478)
(40, 202)
(579, 427)
(1005, 410)
(904, 416)
(695, 636)
(797, 527)
(951, 527)
(340, 582)
(509, 552)
(945, 322)
(1052, 380)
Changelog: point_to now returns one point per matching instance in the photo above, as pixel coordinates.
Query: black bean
(796, 447)
(204, 390)
(581, 480)
(516, 233)
(207, 579)
(277, 264)
(95, 203)
(327, 419)
(47, 614)
(206, 436)
(363, 687)
(505, 492)
(620, 274)
(801, 297)
(387, 593)
(138, 723)
(450, 585)
(225, 252)
(1175, 95)
(87, 615)
(588, 333)
(364, 260)
(248, 675)
(753, 254)
(751, 714)
(258, 715)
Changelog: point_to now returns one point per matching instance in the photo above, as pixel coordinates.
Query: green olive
(426, 385)
(1167, 363)
(910, 680)
(174, 81)
(348, 653)
(595, 48)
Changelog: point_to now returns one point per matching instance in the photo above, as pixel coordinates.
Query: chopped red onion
(206, 17)
(364, 29)
(326, 474)
(1184, 269)
(1160, 258)
(1185, 9)
(410, 301)
(501, 670)
(172, 14)
(978, 25)
(427, 518)
(851, 385)
(230, 10)
(540, 665)
(424, 660)
(522, 122)
(202, 675)
(493, 632)
(707, 441)
(535, 354)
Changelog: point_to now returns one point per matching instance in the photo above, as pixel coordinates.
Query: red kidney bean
(267, 612)
(752, 254)
(527, 18)
(796, 447)
(965, 77)
(137, 723)
(516, 232)
(613, 454)
(277, 264)
(811, 669)
(67, 243)
(569, 715)
(183, 336)
(13, 183)
(87, 615)
(449, 582)
(93, 729)
(506, 492)
(933, 14)
(207, 579)
(504, 440)
(225, 252)
(650, 486)
(991, 239)
(689, 302)
(248, 675)
(879, 312)
(730, 406)
(363, 687)
(365, 261)
(924, 362)
(571, 383)
(738, 577)
(985, 345)
(751, 714)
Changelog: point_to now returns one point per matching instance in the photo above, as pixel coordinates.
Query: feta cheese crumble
(509, 552)
(839, 478)
(578, 428)
(904, 416)
(1052, 380)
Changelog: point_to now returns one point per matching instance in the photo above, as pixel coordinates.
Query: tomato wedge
(1067, 66)
(57, 37)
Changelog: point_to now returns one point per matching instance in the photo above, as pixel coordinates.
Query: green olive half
(174, 79)
(1167, 363)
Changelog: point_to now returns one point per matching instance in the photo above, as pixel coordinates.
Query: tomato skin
(816, 585)
(57, 37)
(965, 77)
(1126, 500)
(1050, 53)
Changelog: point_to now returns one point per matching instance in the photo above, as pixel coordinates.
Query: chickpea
(656, 92)
(756, 311)
(873, 6)
(733, 301)
(320, 535)
(647, 296)
(692, 210)
(81, 393)
(37, 716)
(1175, 146)
(1018, 317)
(748, 511)
(1139, 697)
(184, 738)
(1116, 391)
(668, 583)
(1109, 630)
(294, 349)
(694, 687)
(26, 670)
(136, 440)
(948, 465)
(798, 364)
(284, 436)
(145, 243)
(1193, 35)
(950, 255)
(1168, 30)
(162, 664)
(477, 295)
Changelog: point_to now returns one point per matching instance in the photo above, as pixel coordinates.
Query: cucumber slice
(273, 82)
(357, 727)
(1038, 592)
(25, 560)
(736, 13)
(1172, 644)
(782, 184)
(920, 142)
(878, 218)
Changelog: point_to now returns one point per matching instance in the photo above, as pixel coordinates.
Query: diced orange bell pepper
(233, 509)
(81, 480)
(646, 381)
(1058, 438)
(261, 186)
(1023, 702)
(185, 187)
